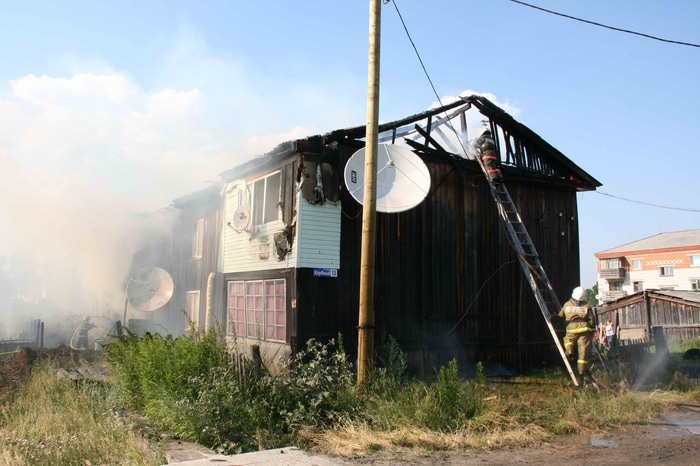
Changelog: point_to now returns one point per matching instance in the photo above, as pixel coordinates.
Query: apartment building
(667, 261)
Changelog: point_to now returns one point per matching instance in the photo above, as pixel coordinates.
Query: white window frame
(198, 239)
(258, 309)
(695, 260)
(265, 208)
(695, 283)
(637, 284)
(636, 264)
(612, 264)
(666, 271)
(192, 308)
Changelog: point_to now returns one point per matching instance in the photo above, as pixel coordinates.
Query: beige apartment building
(667, 261)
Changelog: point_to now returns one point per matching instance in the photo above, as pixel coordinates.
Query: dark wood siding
(447, 283)
(171, 250)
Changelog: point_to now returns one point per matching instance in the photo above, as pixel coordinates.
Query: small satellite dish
(149, 289)
(241, 218)
(403, 180)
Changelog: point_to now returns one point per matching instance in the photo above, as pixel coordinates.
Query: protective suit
(484, 147)
(580, 324)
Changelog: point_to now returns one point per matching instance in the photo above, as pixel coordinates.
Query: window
(695, 283)
(616, 286)
(258, 309)
(613, 264)
(695, 260)
(198, 240)
(638, 286)
(666, 271)
(266, 199)
(192, 308)
(636, 264)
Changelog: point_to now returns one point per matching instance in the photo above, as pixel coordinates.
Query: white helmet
(578, 294)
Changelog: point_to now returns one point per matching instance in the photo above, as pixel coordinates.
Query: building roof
(691, 296)
(432, 136)
(674, 239)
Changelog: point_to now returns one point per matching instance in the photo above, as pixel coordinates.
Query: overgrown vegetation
(52, 421)
(193, 388)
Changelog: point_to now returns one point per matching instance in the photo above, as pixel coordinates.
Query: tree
(591, 295)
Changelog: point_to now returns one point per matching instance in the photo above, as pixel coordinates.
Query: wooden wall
(447, 283)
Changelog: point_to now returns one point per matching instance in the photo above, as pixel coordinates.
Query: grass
(312, 403)
(57, 422)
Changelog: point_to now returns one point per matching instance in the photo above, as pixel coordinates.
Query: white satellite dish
(149, 289)
(241, 218)
(403, 180)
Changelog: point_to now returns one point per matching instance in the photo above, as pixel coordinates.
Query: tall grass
(60, 422)
(189, 387)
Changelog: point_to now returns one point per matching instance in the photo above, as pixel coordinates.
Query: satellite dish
(241, 218)
(403, 180)
(149, 289)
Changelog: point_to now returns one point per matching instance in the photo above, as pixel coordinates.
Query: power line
(647, 203)
(606, 26)
(427, 75)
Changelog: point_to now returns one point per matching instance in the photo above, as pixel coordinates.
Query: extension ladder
(529, 260)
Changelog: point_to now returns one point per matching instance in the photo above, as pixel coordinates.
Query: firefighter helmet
(578, 294)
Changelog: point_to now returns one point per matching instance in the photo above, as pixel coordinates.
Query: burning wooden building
(287, 236)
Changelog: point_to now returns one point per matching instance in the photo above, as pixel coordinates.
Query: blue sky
(108, 108)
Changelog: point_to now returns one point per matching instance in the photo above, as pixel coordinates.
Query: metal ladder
(529, 260)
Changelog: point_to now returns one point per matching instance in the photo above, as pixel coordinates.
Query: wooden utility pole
(365, 333)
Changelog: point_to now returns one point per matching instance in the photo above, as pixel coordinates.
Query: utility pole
(365, 329)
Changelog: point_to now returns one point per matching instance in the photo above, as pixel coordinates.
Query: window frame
(197, 240)
(192, 308)
(265, 207)
(695, 283)
(694, 260)
(638, 285)
(666, 271)
(257, 309)
(613, 264)
(636, 264)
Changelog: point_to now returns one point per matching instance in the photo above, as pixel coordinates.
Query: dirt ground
(671, 440)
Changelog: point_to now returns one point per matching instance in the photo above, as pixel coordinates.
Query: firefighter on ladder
(580, 324)
(484, 147)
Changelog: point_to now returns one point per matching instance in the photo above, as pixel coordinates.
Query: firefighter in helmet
(580, 325)
(485, 148)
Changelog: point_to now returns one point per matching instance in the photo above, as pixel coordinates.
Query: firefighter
(580, 324)
(486, 149)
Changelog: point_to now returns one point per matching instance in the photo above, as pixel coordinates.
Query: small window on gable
(666, 271)
(198, 239)
(636, 264)
(266, 199)
(695, 260)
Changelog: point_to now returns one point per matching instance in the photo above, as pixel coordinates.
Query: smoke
(78, 158)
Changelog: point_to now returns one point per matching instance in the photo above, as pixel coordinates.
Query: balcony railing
(612, 274)
(607, 296)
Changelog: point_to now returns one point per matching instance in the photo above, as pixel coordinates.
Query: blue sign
(326, 273)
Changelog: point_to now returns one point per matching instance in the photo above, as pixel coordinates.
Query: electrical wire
(477, 296)
(689, 44)
(647, 203)
(427, 75)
